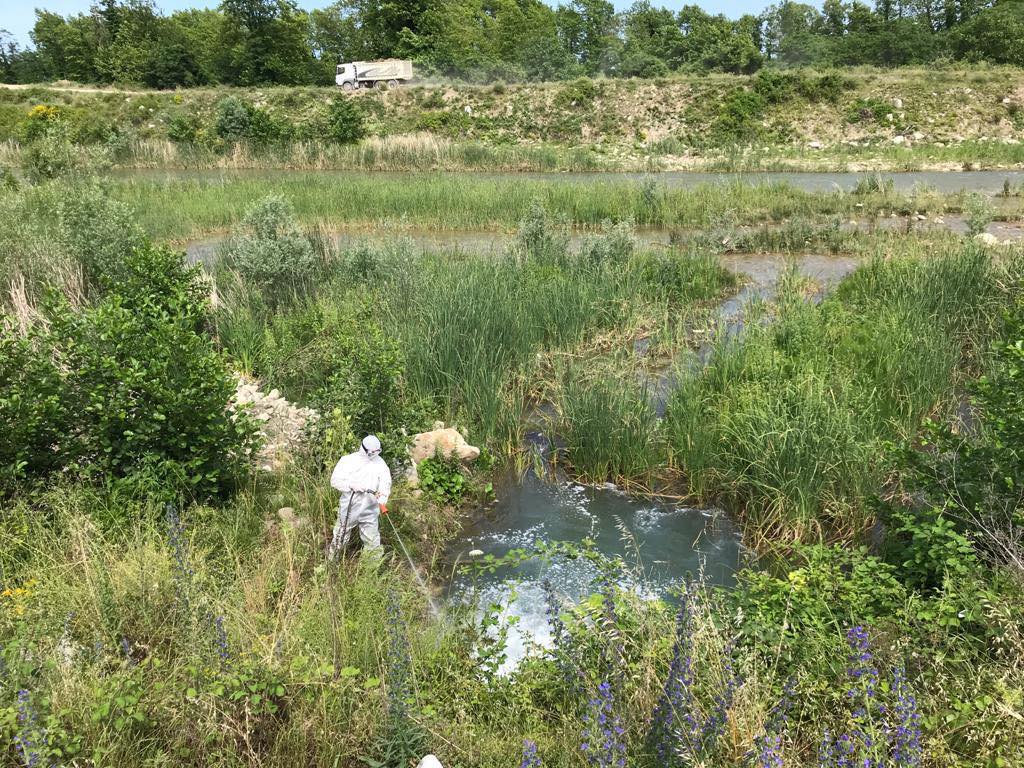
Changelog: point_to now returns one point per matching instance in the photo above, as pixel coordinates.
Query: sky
(18, 16)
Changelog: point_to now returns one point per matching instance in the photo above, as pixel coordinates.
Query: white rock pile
(283, 425)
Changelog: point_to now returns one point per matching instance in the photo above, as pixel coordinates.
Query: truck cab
(345, 77)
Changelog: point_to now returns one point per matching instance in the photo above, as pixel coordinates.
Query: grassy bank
(943, 118)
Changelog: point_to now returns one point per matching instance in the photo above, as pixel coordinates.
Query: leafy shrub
(644, 65)
(269, 250)
(579, 94)
(828, 87)
(979, 214)
(867, 110)
(346, 123)
(332, 358)
(51, 156)
(233, 119)
(184, 128)
(776, 86)
(825, 590)
(739, 117)
(39, 121)
(442, 479)
(929, 549)
(98, 232)
(8, 181)
(131, 390)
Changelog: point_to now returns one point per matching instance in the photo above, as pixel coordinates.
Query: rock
(814, 145)
(1007, 100)
(986, 238)
(889, 117)
(446, 442)
(467, 109)
(899, 139)
(429, 762)
(282, 425)
(898, 103)
(917, 135)
(289, 519)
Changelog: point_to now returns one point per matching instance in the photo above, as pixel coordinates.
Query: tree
(334, 36)
(67, 48)
(588, 30)
(384, 24)
(655, 32)
(265, 41)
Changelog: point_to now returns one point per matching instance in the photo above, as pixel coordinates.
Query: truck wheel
(380, 85)
(392, 84)
(346, 86)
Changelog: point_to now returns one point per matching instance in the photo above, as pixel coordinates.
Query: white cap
(371, 445)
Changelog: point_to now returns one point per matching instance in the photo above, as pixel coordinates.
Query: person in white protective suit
(364, 480)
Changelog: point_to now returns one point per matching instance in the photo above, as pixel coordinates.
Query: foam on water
(663, 544)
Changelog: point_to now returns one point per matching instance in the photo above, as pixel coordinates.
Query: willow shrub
(129, 389)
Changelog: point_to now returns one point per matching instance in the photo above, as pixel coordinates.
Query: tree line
(251, 42)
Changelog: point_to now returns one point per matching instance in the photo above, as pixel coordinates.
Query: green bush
(579, 94)
(50, 156)
(98, 232)
(644, 65)
(270, 251)
(868, 110)
(237, 120)
(346, 123)
(739, 117)
(333, 358)
(41, 118)
(823, 591)
(184, 128)
(442, 479)
(129, 390)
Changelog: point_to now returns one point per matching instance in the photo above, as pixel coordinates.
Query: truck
(369, 74)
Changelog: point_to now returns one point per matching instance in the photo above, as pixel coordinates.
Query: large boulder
(440, 441)
(445, 442)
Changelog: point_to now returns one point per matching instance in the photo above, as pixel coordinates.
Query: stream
(663, 544)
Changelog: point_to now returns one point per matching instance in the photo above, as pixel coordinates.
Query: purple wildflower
(220, 639)
(712, 728)
(768, 747)
(603, 744)
(25, 740)
(906, 735)
(561, 640)
(530, 757)
(676, 701)
(862, 670)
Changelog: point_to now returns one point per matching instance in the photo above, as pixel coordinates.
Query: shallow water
(205, 250)
(664, 544)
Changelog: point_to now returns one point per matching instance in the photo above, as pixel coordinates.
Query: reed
(789, 419)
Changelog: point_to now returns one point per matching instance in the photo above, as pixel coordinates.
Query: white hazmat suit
(365, 484)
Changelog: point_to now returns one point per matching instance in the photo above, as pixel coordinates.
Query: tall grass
(402, 152)
(607, 421)
(178, 205)
(789, 419)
